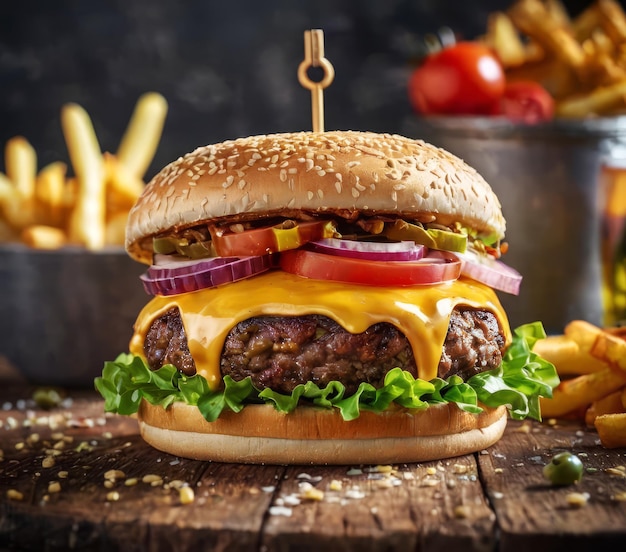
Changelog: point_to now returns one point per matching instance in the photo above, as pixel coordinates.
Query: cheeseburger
(323, 298)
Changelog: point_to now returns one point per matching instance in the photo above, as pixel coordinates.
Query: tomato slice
(269, 239)
(438, 266)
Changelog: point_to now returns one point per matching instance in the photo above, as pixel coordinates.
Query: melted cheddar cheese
(422, 313)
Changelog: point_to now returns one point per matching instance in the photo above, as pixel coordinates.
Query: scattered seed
(577, 500)
(48, 462)
(335, 485)
(54, 487)
(114, 475)
(460, 468)
(13, 494)
(152, 479)
(186, 495)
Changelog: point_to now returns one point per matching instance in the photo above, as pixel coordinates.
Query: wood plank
(430, 506)
(532, 513)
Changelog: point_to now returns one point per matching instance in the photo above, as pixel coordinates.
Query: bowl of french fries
(69, 293)
(549, 175)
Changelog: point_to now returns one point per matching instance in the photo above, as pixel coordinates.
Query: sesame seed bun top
(341, 173)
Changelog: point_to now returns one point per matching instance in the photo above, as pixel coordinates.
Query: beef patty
(282, 352)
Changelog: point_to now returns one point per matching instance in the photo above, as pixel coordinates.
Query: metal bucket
(63, 313)
(548, 180)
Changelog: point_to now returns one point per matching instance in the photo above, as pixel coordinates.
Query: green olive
(565, 468)
(47, 397)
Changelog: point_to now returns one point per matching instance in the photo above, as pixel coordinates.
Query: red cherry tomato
(438, 266)
(466, 78)
(526, 102)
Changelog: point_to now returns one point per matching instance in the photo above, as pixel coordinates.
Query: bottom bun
(259, 434)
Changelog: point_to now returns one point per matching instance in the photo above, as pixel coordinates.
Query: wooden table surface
(58, 492)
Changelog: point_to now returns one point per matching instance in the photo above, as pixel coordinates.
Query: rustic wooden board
(493, 500)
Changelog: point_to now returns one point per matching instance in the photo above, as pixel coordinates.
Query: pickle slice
(434, 238)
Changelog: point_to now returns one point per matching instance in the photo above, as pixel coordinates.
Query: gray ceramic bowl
(63, 313)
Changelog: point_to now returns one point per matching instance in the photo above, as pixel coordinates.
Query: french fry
(44, 237)
(576, 393)
(586, 22)
(557, 78)
(612, 20)
(600, 101)
(611, 430)
(503, 37)
(533, 18)
(141, 138)
(21, 169)
(21, 166)
(122, 186)
(49, 192)
(609, 404)
(567, 356)
(611, 349)
(582, 332)
(116, 228)
(16, 212)
(558, 12)
(87, 221)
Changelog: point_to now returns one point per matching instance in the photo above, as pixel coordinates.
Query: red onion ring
(491, 272)
(371, 251)
(205, 273)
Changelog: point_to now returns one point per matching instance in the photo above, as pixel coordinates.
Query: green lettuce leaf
(518, 383)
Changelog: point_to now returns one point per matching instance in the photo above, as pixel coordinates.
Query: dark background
(227, 68)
